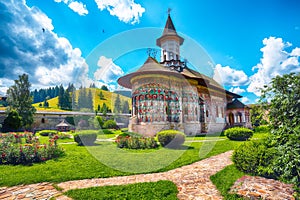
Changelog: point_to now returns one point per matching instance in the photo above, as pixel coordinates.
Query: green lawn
(154, 190)
(106, 160)
(224, 179)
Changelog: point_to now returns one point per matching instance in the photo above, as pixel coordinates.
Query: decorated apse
(170, 95)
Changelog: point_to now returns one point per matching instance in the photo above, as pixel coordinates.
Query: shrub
(110, 124)
(254, 157)
(124, 129)
(238, 133)
(85, 139)
(262, 129)
(12, 151)
(106, 131)
(135, 141)
(98, 122)
(171, 138)
(47, 132)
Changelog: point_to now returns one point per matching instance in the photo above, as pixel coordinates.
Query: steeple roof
(169, 27)
(169, 31)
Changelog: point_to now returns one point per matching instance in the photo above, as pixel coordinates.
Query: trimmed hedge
(171, 138)
(238, 133)
(254, 157)
(106, 131)
(85, 139)
(48, 132)
(133, 140)
(110, 124)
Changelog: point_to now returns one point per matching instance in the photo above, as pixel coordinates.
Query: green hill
(109, 99)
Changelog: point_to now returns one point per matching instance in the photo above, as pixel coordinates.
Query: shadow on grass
(182, 147)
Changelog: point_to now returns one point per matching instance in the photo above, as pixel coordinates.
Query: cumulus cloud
(245, 100)
(108, 72)
(4, 83)
(29, 45)
(76, 6)
(126, 10)
(275, 61)
(230, 77)
(237, 90)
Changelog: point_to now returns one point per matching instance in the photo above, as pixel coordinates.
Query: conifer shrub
(110, 124)
(238, 133)
(171, 138)
(85, 138)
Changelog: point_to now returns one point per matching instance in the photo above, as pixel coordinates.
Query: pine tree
(117, 105)
(104, 87)
(104, 109)
(101, 96)
(19, 99)
(61, 101)
(125, 107)
(90, 103)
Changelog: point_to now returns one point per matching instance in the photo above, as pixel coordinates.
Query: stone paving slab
(34, 191)
(255, 187)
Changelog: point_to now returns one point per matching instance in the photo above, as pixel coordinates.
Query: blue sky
(247, 42)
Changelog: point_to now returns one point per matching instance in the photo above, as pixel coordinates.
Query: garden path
(192, 182)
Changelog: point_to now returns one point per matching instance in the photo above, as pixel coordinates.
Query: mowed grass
(106, 160)
(224, 179)
(154, 190)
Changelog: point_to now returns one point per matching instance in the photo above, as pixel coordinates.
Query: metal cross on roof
(169, 11)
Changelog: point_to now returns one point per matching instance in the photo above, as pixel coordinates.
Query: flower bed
(26, 149)
(135, 141)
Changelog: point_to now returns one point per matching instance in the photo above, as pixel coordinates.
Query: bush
(135, 141)
(124, 129)
(254, 157)
(238, 133)
(85, 139)
(47, 132)
(171, 138)
(110, 124)
(106, 131)
(262, 129)
(98, 122)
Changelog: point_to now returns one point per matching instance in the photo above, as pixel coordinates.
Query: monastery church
(170, 95)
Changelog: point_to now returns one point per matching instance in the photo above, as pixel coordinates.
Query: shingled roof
(236, 104)
(151, 66)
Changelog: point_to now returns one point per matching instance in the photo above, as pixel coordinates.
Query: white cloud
(295, 52)
(126, 10)
(275, 61)
(78, 7)
(4, 84)
(245, 100)
(27, 48)
(228, 76)
(237, 90)
(108, 72)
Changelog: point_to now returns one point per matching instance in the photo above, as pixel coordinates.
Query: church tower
(170, 43)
